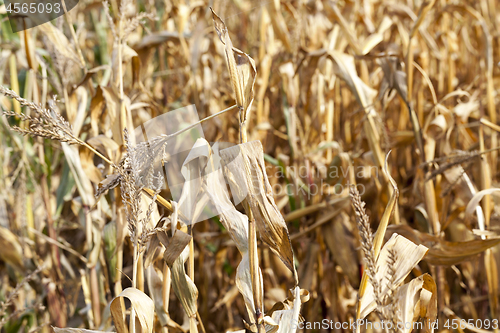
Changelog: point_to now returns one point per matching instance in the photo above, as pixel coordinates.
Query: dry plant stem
(94, 287)
(254, 271)
(489, 261)
(134, 276)
(119, 252)
(73, 35)
(140, 271)
(426, 153)
(252, 244)
(190, 267)
(165, 290)
(14, 83)
(50, 222)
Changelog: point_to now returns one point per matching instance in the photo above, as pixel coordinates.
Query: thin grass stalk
(14, 83)
(94, 292)
(119, 250)
(190, 267)
(165, 290)
(254, 271)
(73, 35)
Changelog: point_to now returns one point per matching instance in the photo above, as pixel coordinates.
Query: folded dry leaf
(143, 306)
(408, 255)
(442, 252)
(245, 171)
(241, 69)
(414, 300)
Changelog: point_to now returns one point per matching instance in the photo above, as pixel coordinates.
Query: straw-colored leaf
(408, 255)
(59, 40)
(143, 306)
(241, 67)
(245, 171)
(442, 252)
(414, 300)
(473, 203)
(236, 224)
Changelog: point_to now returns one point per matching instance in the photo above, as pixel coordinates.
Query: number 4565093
(33, 8)
(478, 323)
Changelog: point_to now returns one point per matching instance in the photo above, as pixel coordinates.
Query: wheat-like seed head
(363, 222)
(48, 123)
(133, 179)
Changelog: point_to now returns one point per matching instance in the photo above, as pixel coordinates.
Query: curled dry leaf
(192, 170)
(474, 202)
(110, 182)
(414, 300)
(245, 171)
(236, 224)
(143, 306)
(408, 255)
(443, 252)
(287, 320)
(341, 244)
(241, 69)
(176, 254)
(59, 40)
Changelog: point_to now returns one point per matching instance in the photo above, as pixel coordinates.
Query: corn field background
(358, 140)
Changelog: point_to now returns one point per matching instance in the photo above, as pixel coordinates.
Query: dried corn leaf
(143, 306)
(176, 254)
(104, 109)
(341, 245)
(236, 224)
(474, 202)
(241, 71)
(174, 246)
(192, 170)
(408, 255)
(442, 252)
(91, 170)
(110, 239)
(110, 182)
(287, 321)
(156, 38)
(59, 40)
(128, 54)
(106, 146)
(155, 285)
(414, 300)
(370, 42)
(83, 183)
(244, 168)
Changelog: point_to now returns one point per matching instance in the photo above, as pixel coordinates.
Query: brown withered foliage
(232, 166)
